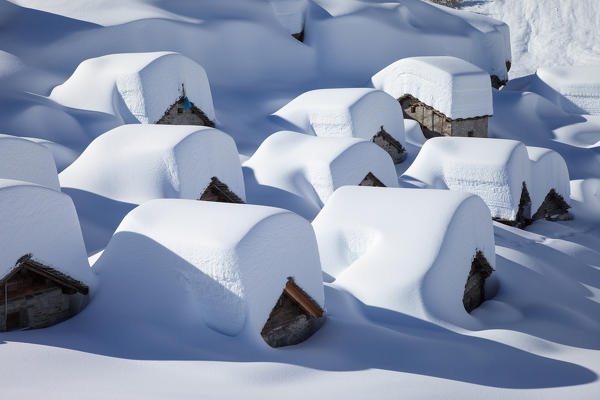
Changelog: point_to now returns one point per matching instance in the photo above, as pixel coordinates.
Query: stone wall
(179, 114)
(37, 310)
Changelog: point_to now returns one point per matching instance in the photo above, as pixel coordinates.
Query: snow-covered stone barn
(350, 112)
(45, 276)
(255, 274)
(446, 95)
(299, 172)
(147, 88)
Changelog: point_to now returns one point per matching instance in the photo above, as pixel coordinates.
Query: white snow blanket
(493, 169)
(223, 265)
(407, 250)
(348, 112)
(452, 86)
(300, 172)
(24, 160)
(139, 162)
(136, 87)
(41, 221)
(291, 14)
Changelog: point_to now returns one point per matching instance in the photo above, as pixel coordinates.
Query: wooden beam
(303, 301)
(53, 278)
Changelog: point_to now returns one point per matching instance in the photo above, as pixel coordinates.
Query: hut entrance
(294, 318)
(474, 293)
(393, 147)
(371, 180)
(553, 208)
(218, 191)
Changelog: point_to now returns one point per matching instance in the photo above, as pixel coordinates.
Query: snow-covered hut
(351, 112)
(137, 163)
(292, 15)
(299, 172)
(255, 273)
(44, 271)
(434, 267)
(512, 179)
(147, 88)
(448, 96)
(25, 160)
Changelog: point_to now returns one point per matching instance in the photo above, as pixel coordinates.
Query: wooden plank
(303, 301)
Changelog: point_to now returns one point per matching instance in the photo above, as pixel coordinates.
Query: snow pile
(351, 112)
(300, 172)
(136, 87)
(547, 33)
(406, 250)
(224, 265)
(291, 14)
(455, 87)
(574, 89)
(42, 222)
(493, 169)
(24, 160)
(136, 163)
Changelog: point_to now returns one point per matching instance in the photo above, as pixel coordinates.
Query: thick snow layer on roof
(24, 160)
(407, 250)
(299, 172)
(41, 221)
(137, 87)
(349, 112)
(139, 162)
(452, 86)
(291, 13)
(494, 169)
(222, 264)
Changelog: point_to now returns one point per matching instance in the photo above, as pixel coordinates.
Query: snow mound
(407, 250)
(452, 86)
(300, 172)
(348, 112)
(224, 265)
(291, 14)
(136, 87)
(42, 222)
(24, 160)
(136, 163)
(493, 169)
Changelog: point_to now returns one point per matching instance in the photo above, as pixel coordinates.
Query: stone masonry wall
(38, 310)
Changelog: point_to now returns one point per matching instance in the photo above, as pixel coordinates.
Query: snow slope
(300, 172)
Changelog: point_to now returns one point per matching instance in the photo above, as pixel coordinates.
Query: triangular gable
(218, 191)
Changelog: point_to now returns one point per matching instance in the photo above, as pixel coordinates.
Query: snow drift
(291, 14)
(42, 222)
(452, 86)
(204, 263)
(136, 87)
(24, 160)
(300, 172)
(407, 250)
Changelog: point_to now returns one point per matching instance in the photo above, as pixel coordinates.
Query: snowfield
(182, 289)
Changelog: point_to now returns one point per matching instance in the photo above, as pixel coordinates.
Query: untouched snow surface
(136, 87)
(493, 169)
(300, 172)
(206, 262)
(452, 86)
(42, 222)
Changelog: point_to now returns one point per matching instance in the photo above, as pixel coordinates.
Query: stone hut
(349, 112)
(37, 296)
(446, 95)
(218, 191)
(220, 266)
(146, 88)
(474, 294)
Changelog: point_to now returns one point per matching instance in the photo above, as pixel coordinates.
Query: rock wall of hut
(35, 310)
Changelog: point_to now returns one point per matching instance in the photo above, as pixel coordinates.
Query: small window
(413, 109)
(470, 133)
(179, 110)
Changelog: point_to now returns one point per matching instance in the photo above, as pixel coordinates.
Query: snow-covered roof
(42, 222)
(136, 87)
(290, 13)
(24, 160)
(349, 112)
(407, 250)
(453, 86)
(576, 89)
(222, 264)
(493, 169)
(300, 172)
(136, 163)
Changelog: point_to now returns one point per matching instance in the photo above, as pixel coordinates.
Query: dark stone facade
(474, 293)
(393, 147)
(218, 191)
(553, 208)
(184, 112)
(371, 180)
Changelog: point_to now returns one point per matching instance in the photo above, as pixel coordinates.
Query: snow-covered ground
(394, 325)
